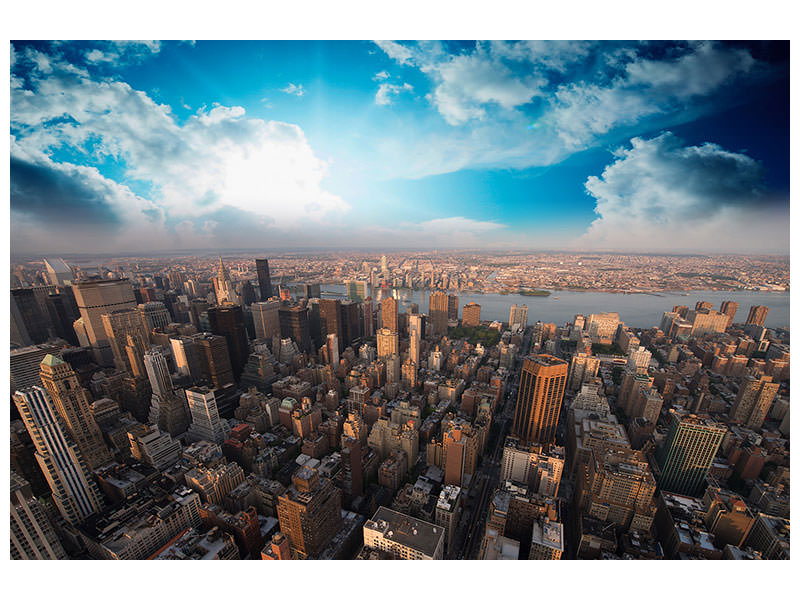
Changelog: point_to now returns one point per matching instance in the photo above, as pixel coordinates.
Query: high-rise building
(602, 327)
(688, 452)
(96, 297)
(388, 343)
(452, 307)
(471, 314)
(754, 400)
(215, 363)
(266, 321)
(389, 317)
(26, 362)
(582, 369)
(518, 317)
(367, 322)
(206, 422)
(757, 315)
(32, 534)
(168, 406)
(264, 281)
(357, 290)
(729, 307)
(154, 447)
(74, 491)
(72, 404)
(228, 321)
(309, 512)
(438, 306)
(223, 286)
(330, 319)
(541, 389)
(58, 272)
(295, 325)
(332, 345)
(29, 323)
(128, 339)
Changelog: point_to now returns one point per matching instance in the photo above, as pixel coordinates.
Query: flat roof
(413, 533)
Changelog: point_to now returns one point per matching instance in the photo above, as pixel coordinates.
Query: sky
(568, 145)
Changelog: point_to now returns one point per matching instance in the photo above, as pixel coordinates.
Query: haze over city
(120, 146)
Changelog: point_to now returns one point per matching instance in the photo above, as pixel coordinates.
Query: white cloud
(293, 89)
(554, 55)
(380, 76)
(660, 194)
(386, 90)
(218, 159)
(397, 52)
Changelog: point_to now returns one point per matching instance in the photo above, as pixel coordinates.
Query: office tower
(367, 323)
(384, 265)
(452, 307)
(582, 369)
(754, 400)
(351, 322)
(186, 354)
(438, 306)
(461, 448)
(471, 314)
(416, 324)
(266, 320)
(168, 407)
(154, 447)
(518, 317)
(223, 286)
(71, 402)
(393, 369)
(124, 329)
(414, 347)
(403, 537)
(74, 491)
(309, 512)
(294, 325)
(61, 318)
(541, 389)
(154, 316)
(689, 450)
(206, 422)
(332, 345)
(707, 321)
(757, 315)
(29, 321)
(96, 297)
(247, 294)
(389, 317)
(32, 534)
(357, 290)
(25, 365)
(197, 307)
(602, 327)
(388, 343)
(729, 307)
(58, 272)
(215, 363)
(264, 281)
(228, 321)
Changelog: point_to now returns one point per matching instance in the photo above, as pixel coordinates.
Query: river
(636, 310)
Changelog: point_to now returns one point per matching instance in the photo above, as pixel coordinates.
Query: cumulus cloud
(217, 159)
(386, 90)
(661, 194)
(122, 51)
(380, 76)
(294, 90)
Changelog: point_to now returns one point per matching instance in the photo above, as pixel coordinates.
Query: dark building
(330, 320)
(351, 323)
(215, 363)
(264, 282)
(247, 293)
(58, 308)
(757, 316)
(541, 390)
(452, 307)
(30, 315)
(294, 325)
(228, 321)
(729, 307)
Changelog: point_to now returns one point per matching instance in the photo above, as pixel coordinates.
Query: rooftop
(407, 531)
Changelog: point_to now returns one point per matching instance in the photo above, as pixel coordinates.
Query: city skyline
(175, 146)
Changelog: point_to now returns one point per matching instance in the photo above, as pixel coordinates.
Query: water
(636, 310)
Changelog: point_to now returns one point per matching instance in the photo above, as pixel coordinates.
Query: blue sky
(626, 146)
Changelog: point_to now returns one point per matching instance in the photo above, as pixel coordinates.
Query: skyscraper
(168, 407)
(32, 534)
(294, 325)
(753, 401)
(471, 314)
(309, 512)
(357, 290)
(541, 389)
(128, 339)
(264, 281)
(96, 297)
(206, 422)
(518, 317)
(330, 319)
(388, 343)
(266, 320)
(228, 321)
(74, 491)
(215, 363)
(71, 403)
(58, 272)
(438, 307)
(757, 316)
(729, 307)
(389, 314)
(223, 286)
(689, 450)
(452, 307)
